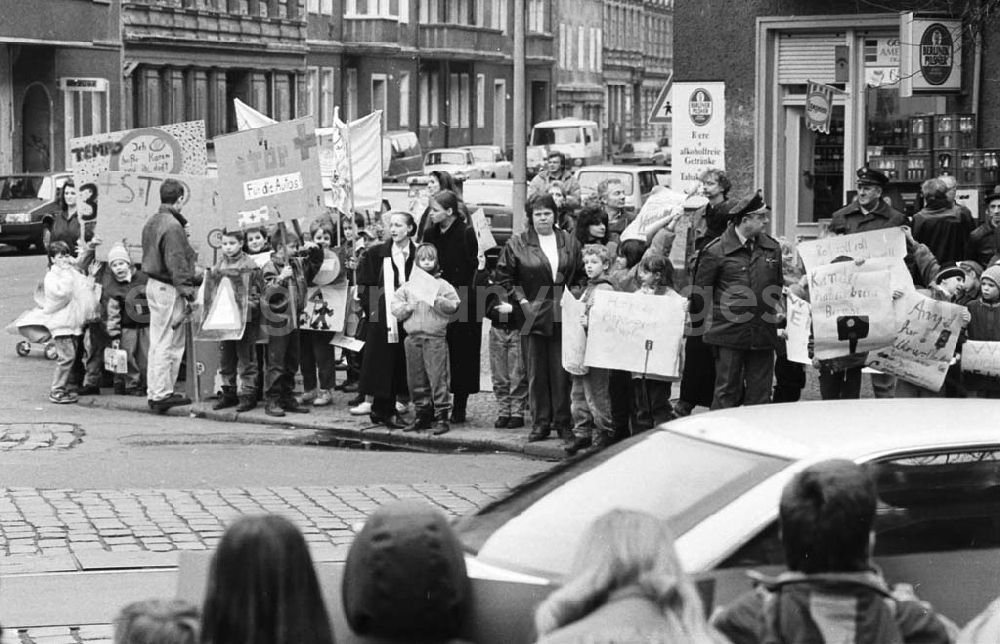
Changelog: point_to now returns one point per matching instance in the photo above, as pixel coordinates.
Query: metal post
(520, 125)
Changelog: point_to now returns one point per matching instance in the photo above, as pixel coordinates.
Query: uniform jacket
(850, 218)
(745, 291)
(167, 255)
(945, 229)
(419, 317)
(984, 243)
(125, 306)
(524, 272)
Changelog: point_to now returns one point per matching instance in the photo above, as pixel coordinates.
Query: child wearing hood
(126, 319)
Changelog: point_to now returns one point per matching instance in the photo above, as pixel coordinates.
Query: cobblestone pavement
(32, 436)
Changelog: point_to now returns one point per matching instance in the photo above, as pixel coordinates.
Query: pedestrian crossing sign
(661, 111)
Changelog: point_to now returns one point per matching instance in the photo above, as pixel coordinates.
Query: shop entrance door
(813, 174)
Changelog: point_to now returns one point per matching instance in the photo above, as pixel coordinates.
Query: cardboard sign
(325, 308)
(926, 337)
(981, 358)
(851, 309)
(347, 343)
(223, 310)
(270, 174)
(798, 327)
(636, 332)
(574, 338)
(178, 148)
(698, 140)
(887, 244)
(483, 233)
(130, 198)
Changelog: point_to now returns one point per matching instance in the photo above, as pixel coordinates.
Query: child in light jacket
(427, 372)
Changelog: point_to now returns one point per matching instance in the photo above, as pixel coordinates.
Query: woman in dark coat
(439, 181)
(66, 222)
(383, 369)
(525, 270)
(458, 253)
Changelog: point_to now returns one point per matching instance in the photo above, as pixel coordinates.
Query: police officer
(739, 276)
(868, 211)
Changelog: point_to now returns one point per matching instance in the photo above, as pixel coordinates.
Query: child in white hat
(126, 319)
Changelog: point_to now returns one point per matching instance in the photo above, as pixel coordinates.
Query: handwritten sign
(574, 338)
(925, 341)
(981, 358)
(270, 174)
(422, 285)
(623, 325)
(851, 309)
(130, 198)
(798, 326)
(483, 233)
(887, 244)
(178, 148)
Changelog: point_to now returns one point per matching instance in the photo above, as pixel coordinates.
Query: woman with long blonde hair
(626, 584)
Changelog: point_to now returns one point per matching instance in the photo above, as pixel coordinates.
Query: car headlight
(17, 218)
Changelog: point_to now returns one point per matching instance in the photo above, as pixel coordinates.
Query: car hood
(19, 205)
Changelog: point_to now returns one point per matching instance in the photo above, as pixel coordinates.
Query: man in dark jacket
(941, 225)
(869, 211)
(168, 260)
(984, 242)
(740, 275)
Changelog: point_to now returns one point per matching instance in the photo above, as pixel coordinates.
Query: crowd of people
(423, 349)
(405, 580)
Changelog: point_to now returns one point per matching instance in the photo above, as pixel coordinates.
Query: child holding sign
(425, 313)
(651, 393)
(984, 325)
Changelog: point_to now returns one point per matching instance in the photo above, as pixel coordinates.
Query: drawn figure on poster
(319, 313)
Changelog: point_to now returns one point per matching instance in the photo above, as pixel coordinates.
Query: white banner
(574, 338)
(698, 139)
(637, 333)
(798, 327)
(886, 244)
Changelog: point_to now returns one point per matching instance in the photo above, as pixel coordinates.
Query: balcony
(538, 46)
(464, 40)
(142, 21)
(377, 30)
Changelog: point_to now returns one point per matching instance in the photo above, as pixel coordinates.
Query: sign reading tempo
(930, 55)
(698, 137)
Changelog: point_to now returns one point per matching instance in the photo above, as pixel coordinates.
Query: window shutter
(805, 57)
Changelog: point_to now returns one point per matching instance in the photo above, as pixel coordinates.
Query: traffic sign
(662, 107)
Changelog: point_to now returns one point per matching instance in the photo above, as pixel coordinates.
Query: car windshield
(678, 478)
(441, 158)
(590, 179)
(484, 155)
(20, 187)
(555, 135)
(499, 193)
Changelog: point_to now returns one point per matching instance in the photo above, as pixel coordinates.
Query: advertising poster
(698, 140)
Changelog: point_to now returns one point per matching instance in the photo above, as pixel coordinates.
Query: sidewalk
(475, 435)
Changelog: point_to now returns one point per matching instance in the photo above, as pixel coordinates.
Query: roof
(462, 149)
(855, 429)
(625, 167)
(566, 122)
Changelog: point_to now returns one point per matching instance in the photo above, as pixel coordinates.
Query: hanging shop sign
(930, 56)
(819, 106)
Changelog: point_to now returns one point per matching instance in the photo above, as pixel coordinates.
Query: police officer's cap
(748, 206)
(869, 177)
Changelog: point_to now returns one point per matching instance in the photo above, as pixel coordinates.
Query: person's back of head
(827, 512)
(405, 576)
(632, 250)
(157, 621)
(262, 587)
(171, 191)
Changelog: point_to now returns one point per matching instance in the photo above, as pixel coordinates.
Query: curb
(363, 433)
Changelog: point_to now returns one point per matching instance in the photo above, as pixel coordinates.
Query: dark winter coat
(66, 228)
(167, 255)
(285, 298)
(739, 284)
(524, 272)
(985, 327)
(383, 370)
(945, 230)
(458, 256)
(984, 243)
(850, 219)
(125, 303)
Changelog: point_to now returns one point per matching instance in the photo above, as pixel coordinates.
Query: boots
(424, 420)
(441, 426)
(248, 401)
(227, 399)
(273, 408)
(458, 405)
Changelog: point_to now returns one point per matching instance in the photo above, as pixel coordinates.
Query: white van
(578, 139)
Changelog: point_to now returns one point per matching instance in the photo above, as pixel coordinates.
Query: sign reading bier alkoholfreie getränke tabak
(699, 131)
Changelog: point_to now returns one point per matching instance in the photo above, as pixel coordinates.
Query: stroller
(38, 336)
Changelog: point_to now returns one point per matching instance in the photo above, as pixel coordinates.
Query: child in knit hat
(985, 326)
(126, 319)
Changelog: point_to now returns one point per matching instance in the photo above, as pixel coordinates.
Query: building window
(430, 12)
(465, 110)
(85, 101)
(600, 50)
(312, 94)
(453, 100)
(480, 100)
(326, 7)
(351, 100)
(536, 16)
(384, 8)
(404, 99)
(326, 97)
(498, 15)
(581, 55)
(595, 52)
(429, 99)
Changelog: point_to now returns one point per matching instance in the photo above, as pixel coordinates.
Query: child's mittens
(505, 308)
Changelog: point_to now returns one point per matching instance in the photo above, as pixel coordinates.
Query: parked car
(716, 478)
(27, 204)
(402, 157)
(491, 161)
(458, 162)
(643, 153)
(496, 198)
(637, 180)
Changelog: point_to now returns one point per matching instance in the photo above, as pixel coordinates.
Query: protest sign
(851, 309)
(798, 326)
(222, 311)
(422, 285)
(887, 244)
(178, 148)
(270, 174)
(981, 358)
(325, 308)
(130, 198)
(483, 233)
(574, 338)
(926, 336)
(347, 342)
(634, 332)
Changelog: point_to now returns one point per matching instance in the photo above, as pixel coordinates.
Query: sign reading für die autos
(930, 56)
